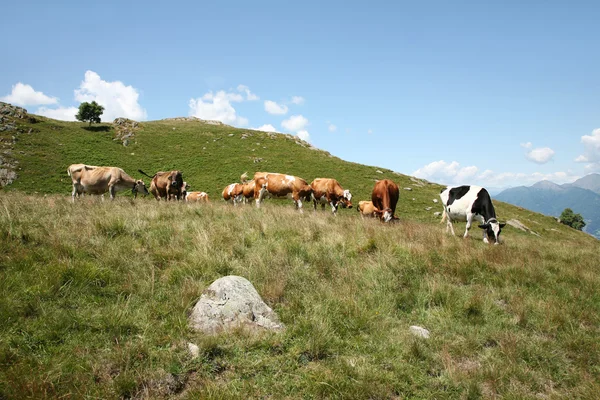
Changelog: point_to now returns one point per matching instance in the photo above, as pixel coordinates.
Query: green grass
(94, 296)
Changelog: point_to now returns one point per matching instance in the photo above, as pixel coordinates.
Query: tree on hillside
(89, 112)
(568, 217)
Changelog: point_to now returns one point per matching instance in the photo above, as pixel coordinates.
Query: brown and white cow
(199, 197)
(329, 191)
(166, 185)
(99, 180)
(281, 185)
(385, 197)
(233, 192)
(367, 209)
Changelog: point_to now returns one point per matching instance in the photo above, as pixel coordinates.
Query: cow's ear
(503, 225)
(484, 226)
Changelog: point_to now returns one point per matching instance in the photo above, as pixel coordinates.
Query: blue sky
(496, 94)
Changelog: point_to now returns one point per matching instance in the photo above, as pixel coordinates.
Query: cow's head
(493, 228)
(139, 187)
(176, 179)
(346, 200)
(385, 215)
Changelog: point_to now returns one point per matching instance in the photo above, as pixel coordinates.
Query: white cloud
(527, 145)
(446, 173)
(217, 106)
(24, 95)
(331, 127)
(117, 99)
(303, 134)
(249, 95)
(273, 108)
(591, 151)
(295, 123)
(61, 113)
(266, 128)
(299, 100)
(540, 155)
(453, 174)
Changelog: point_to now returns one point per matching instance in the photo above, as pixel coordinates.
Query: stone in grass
(418, 331)
(230, 303)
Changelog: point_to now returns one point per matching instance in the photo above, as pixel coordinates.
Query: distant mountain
(551, 199)
(589, 182)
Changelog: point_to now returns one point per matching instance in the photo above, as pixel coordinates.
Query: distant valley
(582, 196)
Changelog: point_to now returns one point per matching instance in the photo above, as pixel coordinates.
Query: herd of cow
(463, 203)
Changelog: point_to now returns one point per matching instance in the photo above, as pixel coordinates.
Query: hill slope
(94, 297)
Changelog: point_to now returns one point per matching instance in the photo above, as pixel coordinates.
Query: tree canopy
(568, 217)
(89, 112)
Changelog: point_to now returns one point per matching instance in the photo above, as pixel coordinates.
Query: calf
(200, 197)
(166, 185)
(329, 191)
(385, 198)
(466, 203)
(367, 209)
(248, 187)
(281, 185)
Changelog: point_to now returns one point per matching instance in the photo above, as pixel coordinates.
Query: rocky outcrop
(125, 130)
(10, 129)
(9, 110)
(231, 303)
(195, 119)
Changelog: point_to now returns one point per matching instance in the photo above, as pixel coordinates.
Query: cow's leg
(469, 221)
(334, 207)
(449, 227)
(74, 193)
(261, 195)
(112, 190)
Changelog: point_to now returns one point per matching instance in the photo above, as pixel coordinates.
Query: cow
(233, 193)
(367, 209)
(281, 185)
(200, 197)
(248, 187)
(385, 197)
(468, 203)
(166, 184)
(329, 191)
(99, 180)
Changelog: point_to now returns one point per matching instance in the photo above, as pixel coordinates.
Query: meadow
(95, 296)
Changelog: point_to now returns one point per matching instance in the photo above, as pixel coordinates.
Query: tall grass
(94, 300)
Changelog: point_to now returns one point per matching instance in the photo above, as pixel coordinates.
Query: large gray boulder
(229, 303)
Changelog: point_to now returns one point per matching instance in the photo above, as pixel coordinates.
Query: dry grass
(95, 298)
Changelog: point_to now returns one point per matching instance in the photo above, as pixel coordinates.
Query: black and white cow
(466, 203)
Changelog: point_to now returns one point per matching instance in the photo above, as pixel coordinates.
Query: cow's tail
(244, 177)
(143, 173)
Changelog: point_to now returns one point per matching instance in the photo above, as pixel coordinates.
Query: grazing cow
(248, 187)
(200, 197)
(281, 185)
(385, 197)
(166, 185)
(233, 193)
(367, 209)
(99, 180)
(466, 203)
(329, 191)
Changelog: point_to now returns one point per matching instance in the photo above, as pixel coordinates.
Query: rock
(428, 208)
(7, 177)
(435, 200)
(379, 172)
(437, 214)
(231, 134)
(408, 188)
(126, 142)
(517, 224)
(418, 331)
(12, 111)
(232, 302)
(193, 349)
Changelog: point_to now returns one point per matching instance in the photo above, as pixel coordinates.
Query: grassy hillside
(94, 299)
(94, 296)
